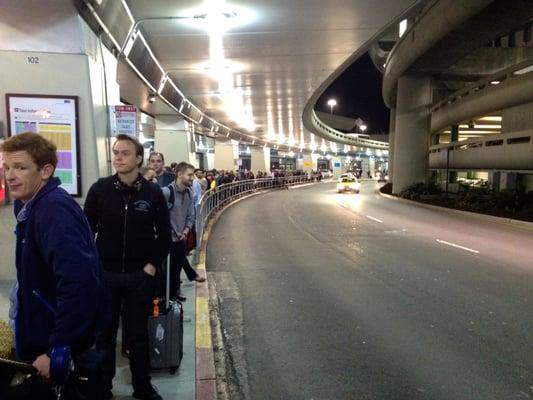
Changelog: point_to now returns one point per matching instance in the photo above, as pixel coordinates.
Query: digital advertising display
(55, 118)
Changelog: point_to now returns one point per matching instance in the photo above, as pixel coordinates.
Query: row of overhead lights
(214, 17)
(227, 18)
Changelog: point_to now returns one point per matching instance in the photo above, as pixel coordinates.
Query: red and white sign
(124, 120)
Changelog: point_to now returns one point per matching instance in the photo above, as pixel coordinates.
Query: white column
(260, 159)
(308, 163)
(336, 163)
(411, 138)
(299, 163)
(225, 156)
(392, 129)
(210, 160)
(372, 166)
(33, 50)
(173, 139)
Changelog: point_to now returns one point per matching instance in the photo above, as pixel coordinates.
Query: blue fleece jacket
(56, 257)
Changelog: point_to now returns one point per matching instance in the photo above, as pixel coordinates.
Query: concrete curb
(478, 216)
(206, 386)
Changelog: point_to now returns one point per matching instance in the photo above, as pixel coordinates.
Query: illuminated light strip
(374, 219)
(457, 246)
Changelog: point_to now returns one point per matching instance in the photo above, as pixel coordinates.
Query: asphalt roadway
(344, 296)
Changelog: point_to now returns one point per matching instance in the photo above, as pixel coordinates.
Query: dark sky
(358, 95)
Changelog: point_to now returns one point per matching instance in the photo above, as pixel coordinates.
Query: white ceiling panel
(258, 75)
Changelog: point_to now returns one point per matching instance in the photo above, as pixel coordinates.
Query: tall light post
(331, 103)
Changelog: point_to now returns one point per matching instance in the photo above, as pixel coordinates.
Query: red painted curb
(206, 389)
(205, 364)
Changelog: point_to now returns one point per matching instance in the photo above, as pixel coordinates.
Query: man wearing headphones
(130, 219)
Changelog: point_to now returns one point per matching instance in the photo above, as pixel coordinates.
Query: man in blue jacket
(61, 294)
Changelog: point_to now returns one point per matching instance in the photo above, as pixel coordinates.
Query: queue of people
(80, 270)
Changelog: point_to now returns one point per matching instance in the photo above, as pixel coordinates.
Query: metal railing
(347, 139)
(512, 72)
(214, 200)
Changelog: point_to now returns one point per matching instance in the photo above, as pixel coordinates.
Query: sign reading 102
(33, 60)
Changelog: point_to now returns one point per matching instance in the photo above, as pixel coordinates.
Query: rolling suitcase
(165, 332)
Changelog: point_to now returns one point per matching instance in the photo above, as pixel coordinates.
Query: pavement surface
(322, 295)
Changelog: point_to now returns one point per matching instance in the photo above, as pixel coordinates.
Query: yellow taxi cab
(348, 183)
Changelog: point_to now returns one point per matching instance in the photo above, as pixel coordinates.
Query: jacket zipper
(126, 203)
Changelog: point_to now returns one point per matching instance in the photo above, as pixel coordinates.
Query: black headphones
(135, 186)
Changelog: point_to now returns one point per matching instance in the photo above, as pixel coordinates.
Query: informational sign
(337, 164)
(55, 118)
(124, 120)
(308, 164)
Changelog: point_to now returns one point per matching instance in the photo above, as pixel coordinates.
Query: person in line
(199, 185)
(130, 219)
(210, 177)
(61, 296)
(157, 162)
(181, 206)
(149, 174)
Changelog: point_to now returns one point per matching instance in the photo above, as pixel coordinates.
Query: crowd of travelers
(80, 271)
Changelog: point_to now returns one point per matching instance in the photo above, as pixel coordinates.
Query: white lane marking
(374, 219)
(459, 247)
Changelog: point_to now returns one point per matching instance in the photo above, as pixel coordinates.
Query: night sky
(358, 95)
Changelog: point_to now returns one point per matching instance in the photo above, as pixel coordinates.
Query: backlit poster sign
(124, 120)
(55, 118)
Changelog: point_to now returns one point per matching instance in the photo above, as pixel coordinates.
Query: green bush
(510, 200)
(482, 199)
(414, 192)
(387, 188)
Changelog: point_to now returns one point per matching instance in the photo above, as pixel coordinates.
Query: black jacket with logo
(131, 223)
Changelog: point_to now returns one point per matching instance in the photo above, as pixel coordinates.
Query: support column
(260, 159)
(210, 161)
(392, 134)
(336, 163)
(299, 163)
(452, 175)
(308, 163)
(172, 138)
(372, 166)
(413, 124)
(226, 155)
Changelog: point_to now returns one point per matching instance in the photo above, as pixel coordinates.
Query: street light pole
(331, 103)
